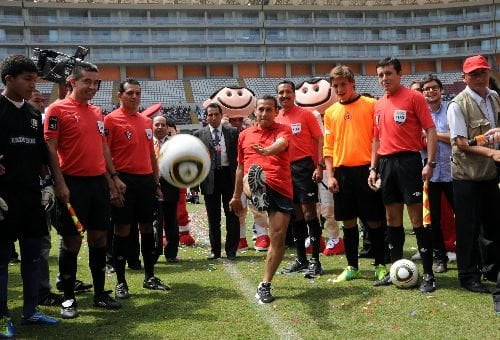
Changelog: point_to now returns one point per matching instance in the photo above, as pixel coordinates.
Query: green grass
(207, 302)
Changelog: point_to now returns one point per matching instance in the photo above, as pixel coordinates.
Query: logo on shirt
(399, 116)
(149, 134)
(100, 127)
(296, 128)
(347, 116)
(52, 123)
(128, 134)
(34, 124)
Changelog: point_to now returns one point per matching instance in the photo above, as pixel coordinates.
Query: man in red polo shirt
(305, 175)
(400, 116)
(130, 140)
(263, 157)
(79, 158)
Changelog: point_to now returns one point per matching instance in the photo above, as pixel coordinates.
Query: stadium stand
(204, 88)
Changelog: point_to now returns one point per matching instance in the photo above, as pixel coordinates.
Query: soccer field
(215, 300)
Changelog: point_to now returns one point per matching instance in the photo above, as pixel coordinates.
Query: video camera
(56, 66)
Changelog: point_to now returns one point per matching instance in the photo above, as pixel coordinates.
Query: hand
(117, 199)
(159, 193)
(259, 149)
(496, 155)
(317, 175)
(62, 192)
(120, 186)
(3, 209)
(48, 198)
(495, 133)
(426, 173)
(2, 167)
(373, 181)
(236, 206)
(333, 185)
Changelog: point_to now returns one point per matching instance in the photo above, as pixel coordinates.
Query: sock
(315, 235)
(67, 270)
(378, 245)
(147, 249)
(97, 264)
(424, 242)
(351, 244)
(299, 229)
(120, 250)
(396, 236)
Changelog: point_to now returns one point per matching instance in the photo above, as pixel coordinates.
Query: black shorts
(140, 200)
(305, 190)
(278, 202)
(355, 198)
(26, 215)
(401, 176)
(89, 197)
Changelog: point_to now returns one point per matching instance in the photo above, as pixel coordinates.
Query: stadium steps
(114, 95)
(188, 90)
(241, 82)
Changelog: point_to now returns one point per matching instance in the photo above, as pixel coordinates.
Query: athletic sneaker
(121, 291)
(242, 244)
(452, 256)
(380, 272)
(155, 283)
(80, 286)
(416, 256)
(322, 245)
(334, 247)
(349, 273)
(262, 243)
(386, 281)
(38, 319)
(103, 300)
(51, 299)
(68, 309)
(6, 328)
(264, 293)
(428, 284)
(314, 269)
(296, 267)
(257, 184)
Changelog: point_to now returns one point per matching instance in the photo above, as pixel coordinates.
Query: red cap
(475, 62)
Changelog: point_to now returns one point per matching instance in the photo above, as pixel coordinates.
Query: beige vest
(467, 166)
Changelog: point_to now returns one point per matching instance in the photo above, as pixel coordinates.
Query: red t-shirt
(399, 120)
(79, 130)
(130, 140)
(277, 167)
(304, 127)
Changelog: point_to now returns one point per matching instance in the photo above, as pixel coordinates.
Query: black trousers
(477, 214)
(223, 191)
(171, 228)
(435, 191)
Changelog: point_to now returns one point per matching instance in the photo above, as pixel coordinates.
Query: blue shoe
(6, 328)
(38, 319)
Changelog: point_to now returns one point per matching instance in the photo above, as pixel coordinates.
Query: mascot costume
(316, 96)
(237, 104)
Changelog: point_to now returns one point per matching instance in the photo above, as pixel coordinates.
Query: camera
(56, 66)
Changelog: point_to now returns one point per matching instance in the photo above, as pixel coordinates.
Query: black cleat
(386, 281)
(103, 300)
(314, 269)
(121, 291)
(428, 284)
(68, 309)
(263, 294)
(296, 267)
(51, 299)
(155, 283)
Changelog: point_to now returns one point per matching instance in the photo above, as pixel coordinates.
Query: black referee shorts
(25, 217)
(89, 197)
(278, 202)
(140, 200)
(305, 190)
(401, 176)
(355, 198)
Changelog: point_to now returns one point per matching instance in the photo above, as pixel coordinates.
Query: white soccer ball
(404, 273)
(184, 161)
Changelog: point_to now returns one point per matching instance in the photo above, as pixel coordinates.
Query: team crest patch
(399, 116)
(149, 134)
(53, 123)
(128, 134)
(100, 127)
(347, 116)
(296, 128)
(34, 124)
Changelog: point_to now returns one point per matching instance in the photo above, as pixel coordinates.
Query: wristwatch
(373, 169)
(432, 164)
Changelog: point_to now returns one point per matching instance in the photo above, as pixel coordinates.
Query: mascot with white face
(316, 95)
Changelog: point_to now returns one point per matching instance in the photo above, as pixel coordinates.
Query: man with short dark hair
(85, 176)
(475, 188)
(400, 116)
(23, 154)
(263, 173)
(221, 141)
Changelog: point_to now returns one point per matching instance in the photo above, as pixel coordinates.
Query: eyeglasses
(431, 88)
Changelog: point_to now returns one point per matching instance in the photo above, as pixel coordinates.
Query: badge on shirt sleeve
(149, 134)
(296, 128)
(53, 121)
(34, 124)
(399, 116)
(100, 127)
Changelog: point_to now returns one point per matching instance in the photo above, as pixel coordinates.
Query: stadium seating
(204, 88)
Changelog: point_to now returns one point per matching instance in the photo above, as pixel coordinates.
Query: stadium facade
(190, 39)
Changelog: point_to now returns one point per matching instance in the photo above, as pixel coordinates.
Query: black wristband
(373, 168)
(114, 174)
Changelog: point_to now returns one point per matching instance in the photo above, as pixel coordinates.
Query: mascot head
(315, 95)
(236, 102)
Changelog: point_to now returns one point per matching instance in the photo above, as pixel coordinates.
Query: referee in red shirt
(130, 140)
(400, 116)
(81, 166)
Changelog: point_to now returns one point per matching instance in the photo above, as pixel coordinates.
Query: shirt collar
(16, 104)
(219, 129)
(76, 103)
(477, 98)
